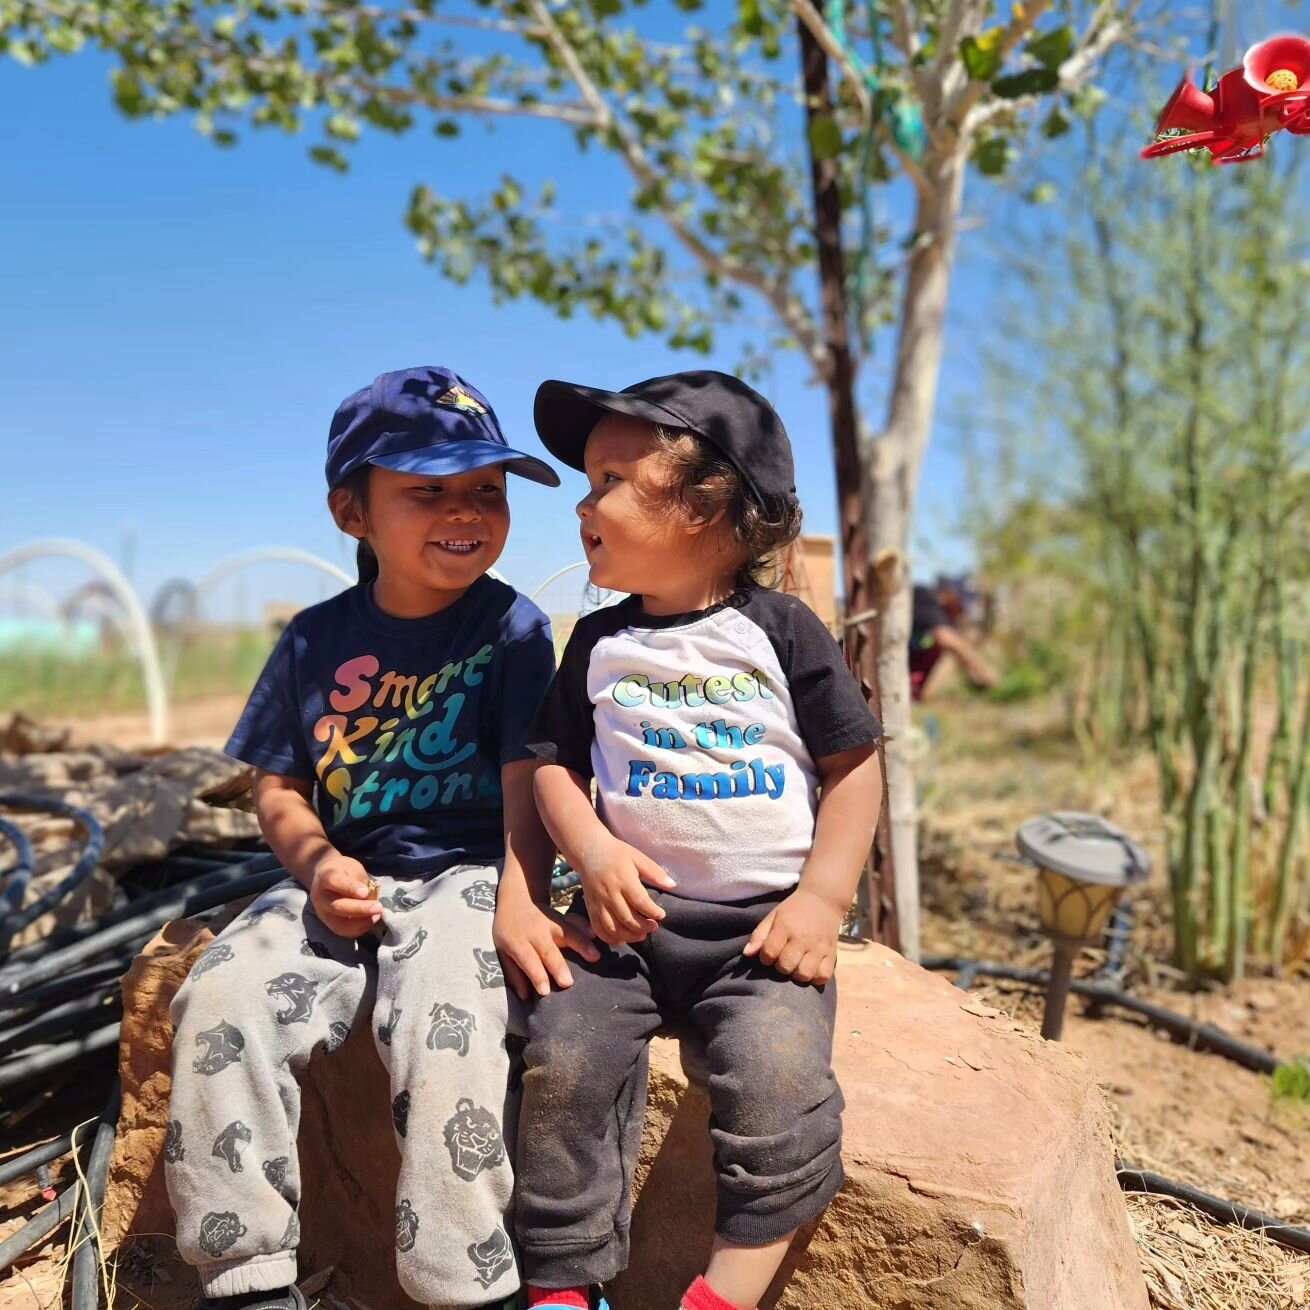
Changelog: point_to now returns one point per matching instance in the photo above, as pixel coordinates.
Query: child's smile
(454, 546)
(434, 536)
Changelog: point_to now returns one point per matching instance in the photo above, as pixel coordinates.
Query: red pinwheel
(1270, 92)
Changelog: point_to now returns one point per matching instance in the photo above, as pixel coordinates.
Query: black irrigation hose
(1199, 1036)
(217, 855)
(86, 1259)
(1226, 1212)
(177, 904)
(78, 1015)
(40, 1225)
(21, 874)
(40, 1064)
(93, 844)
(74, 984)
(168, 896)
(19, 1166)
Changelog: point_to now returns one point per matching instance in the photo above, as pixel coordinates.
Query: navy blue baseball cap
(426, 421)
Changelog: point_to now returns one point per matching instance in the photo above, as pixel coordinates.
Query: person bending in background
(934, 632)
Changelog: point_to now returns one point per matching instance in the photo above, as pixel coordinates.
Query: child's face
(436, 534)
(637, 538)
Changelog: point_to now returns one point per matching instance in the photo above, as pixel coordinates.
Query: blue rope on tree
(904, 121)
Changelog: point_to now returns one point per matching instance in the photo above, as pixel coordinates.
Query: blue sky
(179, 322)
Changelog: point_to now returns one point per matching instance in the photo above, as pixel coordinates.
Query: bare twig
(575, 114)
(790, 309)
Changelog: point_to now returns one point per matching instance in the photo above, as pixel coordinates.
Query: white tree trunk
(895, 458)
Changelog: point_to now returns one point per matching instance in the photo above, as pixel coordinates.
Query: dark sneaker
(289, 1299)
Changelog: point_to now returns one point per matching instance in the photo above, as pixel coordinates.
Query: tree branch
(952, 31)
(1021, 25)
(814, 22)
(791, 310)
(905, 34)
(1106, 29)
(574, 114)
(826, 38)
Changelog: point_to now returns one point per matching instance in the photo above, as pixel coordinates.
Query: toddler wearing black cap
(737, 788)
(388, 734)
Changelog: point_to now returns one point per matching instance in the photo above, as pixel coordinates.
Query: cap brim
(566, 412)
(451, 457)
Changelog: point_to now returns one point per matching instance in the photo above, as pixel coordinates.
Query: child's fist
(620, 907)
(339, 893)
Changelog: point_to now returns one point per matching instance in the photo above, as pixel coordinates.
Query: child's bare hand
(799, 938)
(531, 939)
(621, 909)
(339, 895)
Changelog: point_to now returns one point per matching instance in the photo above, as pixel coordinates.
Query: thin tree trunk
(1293, 834)
(896, 458)
(1239, 885)
(879, 901)
(1278, 765)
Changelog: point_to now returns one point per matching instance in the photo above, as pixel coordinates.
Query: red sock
(701, 1296)
(572, 1296)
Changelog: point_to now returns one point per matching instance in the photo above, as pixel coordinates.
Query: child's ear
(348, 513)
(703, 495)
(697, 526)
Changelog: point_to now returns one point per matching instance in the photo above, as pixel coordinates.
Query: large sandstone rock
(979, 1160)
(980, 1170)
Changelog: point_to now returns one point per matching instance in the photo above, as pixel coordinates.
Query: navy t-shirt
(403, 724)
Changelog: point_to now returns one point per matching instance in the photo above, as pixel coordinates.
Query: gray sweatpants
(276, 988)
(776, 1107)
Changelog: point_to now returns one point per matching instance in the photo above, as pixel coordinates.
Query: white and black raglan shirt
(701, 731)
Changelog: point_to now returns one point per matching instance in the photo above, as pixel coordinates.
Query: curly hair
(706, 484)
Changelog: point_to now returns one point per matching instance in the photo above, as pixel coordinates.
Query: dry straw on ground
(1191, 1263)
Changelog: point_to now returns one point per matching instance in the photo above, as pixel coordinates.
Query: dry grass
(1191, 1263)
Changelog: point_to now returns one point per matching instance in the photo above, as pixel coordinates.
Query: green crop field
(47, 684)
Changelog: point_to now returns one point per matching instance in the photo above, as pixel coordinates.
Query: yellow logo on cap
(458, 398)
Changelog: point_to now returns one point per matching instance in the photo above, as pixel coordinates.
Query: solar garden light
(1084, 866)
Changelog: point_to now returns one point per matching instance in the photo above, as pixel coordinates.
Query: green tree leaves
(983, 57)
(701, 127)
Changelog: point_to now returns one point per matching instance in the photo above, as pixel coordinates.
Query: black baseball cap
(425, 420)
(734, 418)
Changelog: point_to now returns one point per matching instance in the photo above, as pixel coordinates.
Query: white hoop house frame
(138, 626)
(540, 590)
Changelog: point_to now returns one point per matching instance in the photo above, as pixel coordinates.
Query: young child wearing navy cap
(737, 788)
(388, 734)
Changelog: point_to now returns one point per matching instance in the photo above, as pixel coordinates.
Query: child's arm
(799, 938)
(612, 872)
(338, 885)
(528, 933)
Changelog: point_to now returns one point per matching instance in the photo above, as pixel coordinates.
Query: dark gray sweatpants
(776, 1107)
